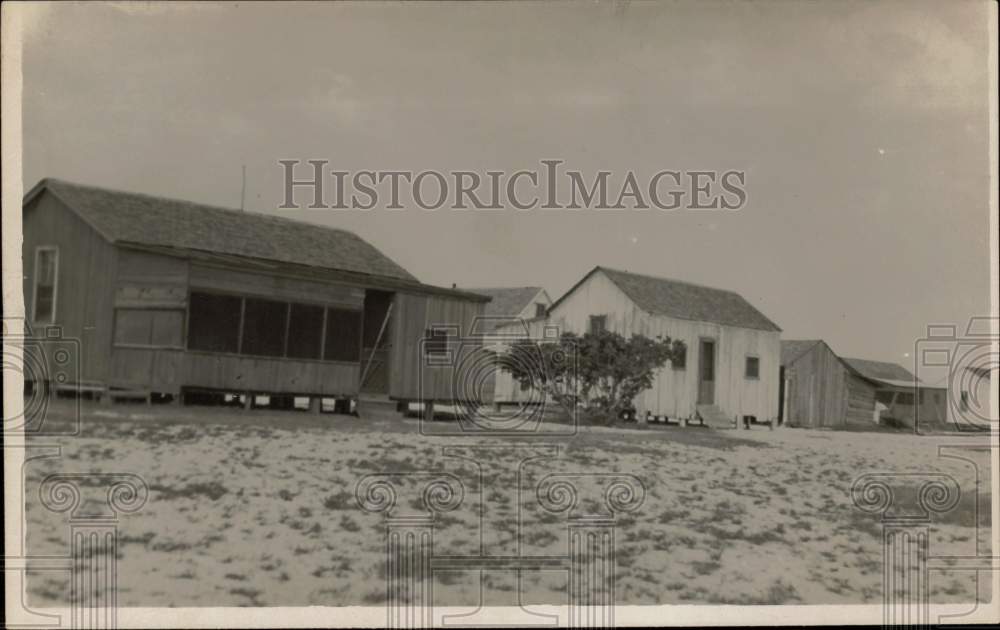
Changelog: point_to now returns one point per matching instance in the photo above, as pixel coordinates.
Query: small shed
(168, 296)
(905, 396)
(820, 389)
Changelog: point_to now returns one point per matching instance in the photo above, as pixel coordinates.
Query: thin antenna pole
(243, 189)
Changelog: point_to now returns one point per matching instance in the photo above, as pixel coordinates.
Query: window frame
(243, 297)
(55, 284)
(683, 366)
(746, 367)
(152, 311)
(601, 318)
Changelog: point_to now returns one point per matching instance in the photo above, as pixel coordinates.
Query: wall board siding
(169, 370)
(275, 287)
(817, 389)
(674, 392)
(85, 278)
(410, 376)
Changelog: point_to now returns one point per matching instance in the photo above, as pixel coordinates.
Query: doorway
(706, 372)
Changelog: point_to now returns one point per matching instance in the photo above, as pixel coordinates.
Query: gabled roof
(507, 302)
(134, 218)
(792, 349)
(881, 371)
(682, 300)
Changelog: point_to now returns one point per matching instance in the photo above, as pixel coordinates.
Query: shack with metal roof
(168, 297)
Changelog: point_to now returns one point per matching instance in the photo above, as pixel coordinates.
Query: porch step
(377, 407)
(713, 417)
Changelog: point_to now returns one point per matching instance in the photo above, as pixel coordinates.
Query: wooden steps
(713, 417)
(377, 407)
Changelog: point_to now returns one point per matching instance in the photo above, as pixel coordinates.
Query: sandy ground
(259, 508)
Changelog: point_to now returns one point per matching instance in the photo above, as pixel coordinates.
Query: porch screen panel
(264, 323)
(214, 322)
(305, 332)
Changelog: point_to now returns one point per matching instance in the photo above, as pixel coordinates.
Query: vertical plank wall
(84, 282)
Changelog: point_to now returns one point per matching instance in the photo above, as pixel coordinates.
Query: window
(435, 341)
(753, 367)
(264, 324)
(46, 277)
(540, 309)
(598, 323)
(305, 331)
(145, 327)
(904, 398)
(680, 361)
(343, 335)
(214, 322)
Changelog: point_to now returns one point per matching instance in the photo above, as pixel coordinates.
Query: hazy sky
(863, 129)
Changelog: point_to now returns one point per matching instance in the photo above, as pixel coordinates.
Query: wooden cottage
(512, 313)
(730, 371)
(168, 297)
(821, 389)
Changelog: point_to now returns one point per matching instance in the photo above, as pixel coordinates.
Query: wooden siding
(860, 401)
(411, 376)
(817, 395)
(85, 278)
(674, 392)
(275, 287)
(169, 371)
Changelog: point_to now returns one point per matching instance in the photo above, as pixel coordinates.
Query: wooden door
(706, 372)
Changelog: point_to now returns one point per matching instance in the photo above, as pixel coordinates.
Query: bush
(598, 374)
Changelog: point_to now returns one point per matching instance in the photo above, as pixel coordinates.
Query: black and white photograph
(486, 314)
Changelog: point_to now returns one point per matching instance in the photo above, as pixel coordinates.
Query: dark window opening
(680, 361)
(539, 309)
(305, 331)
(598, 323)
(904, 398)
(214, 322)
(46, 271)
(435, 341)
(343, 335)
(753, 367)
(264, 323)
(885, 397)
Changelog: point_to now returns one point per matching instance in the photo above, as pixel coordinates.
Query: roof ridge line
(667, 279)
(211, 206)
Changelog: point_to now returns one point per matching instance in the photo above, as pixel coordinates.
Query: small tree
(601, 372)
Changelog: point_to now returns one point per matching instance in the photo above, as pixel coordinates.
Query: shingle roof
(683, 300)
(792, 349)
(881, 371)
(125, 217)
(507, 302)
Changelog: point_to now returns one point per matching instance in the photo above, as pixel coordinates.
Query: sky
(862, 128)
